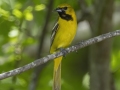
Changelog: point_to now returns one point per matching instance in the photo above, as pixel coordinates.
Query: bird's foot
(63, 51)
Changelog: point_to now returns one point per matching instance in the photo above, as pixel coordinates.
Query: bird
(62, 35)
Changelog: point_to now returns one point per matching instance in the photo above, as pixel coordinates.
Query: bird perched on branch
(62, 35)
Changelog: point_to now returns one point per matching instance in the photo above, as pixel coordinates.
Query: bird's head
(65, 11)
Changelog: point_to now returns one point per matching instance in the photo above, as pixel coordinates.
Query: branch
(52, 56)
(86, 12)
(36, 73)
(44, 30)
(83, 5)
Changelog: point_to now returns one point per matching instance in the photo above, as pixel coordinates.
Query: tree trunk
(100, 53)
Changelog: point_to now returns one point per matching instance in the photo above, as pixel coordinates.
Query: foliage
(21, 23)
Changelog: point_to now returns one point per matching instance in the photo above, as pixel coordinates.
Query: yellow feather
(64, 34)
(57, 74)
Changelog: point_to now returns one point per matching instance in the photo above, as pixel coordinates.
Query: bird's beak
(58, 10)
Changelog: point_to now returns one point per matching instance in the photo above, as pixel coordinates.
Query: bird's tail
(57, 74)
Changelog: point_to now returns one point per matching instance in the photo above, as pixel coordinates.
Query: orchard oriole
(62, 35)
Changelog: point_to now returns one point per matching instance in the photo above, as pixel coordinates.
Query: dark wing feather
(54, 31)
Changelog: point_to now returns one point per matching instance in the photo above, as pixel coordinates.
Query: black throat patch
(65, 16)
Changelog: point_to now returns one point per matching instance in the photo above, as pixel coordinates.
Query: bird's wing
(54, 31)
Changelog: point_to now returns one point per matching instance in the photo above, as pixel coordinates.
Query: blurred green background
(25, 30)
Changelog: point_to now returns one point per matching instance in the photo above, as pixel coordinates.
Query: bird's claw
(63, 51)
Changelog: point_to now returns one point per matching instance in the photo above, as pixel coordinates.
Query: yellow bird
(62, 35)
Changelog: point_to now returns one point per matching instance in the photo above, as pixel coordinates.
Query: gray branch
(52, 56)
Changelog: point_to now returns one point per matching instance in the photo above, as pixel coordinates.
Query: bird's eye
(65, 8)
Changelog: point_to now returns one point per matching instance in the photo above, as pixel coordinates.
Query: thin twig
(52, 56)
(86, 12)
(36, 73)
(83, 5)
